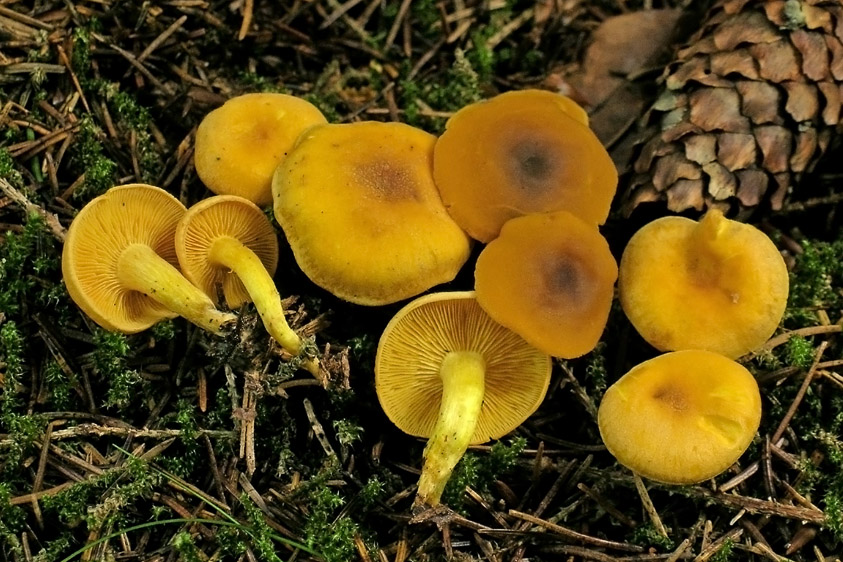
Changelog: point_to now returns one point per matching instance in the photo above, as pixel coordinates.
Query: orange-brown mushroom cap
(682, 417)
(716, 284)
(362, 215)
(414, 345)
(124, 216)
(521, 152)
(223, 216)
(239, 145)
(550, 278)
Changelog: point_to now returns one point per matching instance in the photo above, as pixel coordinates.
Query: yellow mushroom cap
(682, 417)
(121, 217)
(214, 218)
(239, 145)
(719, 284)
(550, 278)
(416, 341)
(362, 214)
(522, 152)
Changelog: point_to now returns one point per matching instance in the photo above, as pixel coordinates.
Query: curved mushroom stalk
(463, 388)
(448, 372)
(140, 269)
(119, 263)
(230, 253)
(227, 241)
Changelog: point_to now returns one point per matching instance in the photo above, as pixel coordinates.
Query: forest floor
(173, 444)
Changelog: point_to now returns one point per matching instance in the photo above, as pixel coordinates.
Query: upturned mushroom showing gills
(239, 145)
(120, 267)
(549, 278)
(682, 417)
(445, 370)
(521, 152)
(227, 242)
(716, 284)
(362, 214)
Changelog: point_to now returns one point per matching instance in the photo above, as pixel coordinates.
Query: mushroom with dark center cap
(119, 263)
(445, 370)
(519, 153)
(226, 241)
(549, 278)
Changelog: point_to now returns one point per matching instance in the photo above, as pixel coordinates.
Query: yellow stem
(229, 252)
(140, 269)
(712, 252)
(463, 387)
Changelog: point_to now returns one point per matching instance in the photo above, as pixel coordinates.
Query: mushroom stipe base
(229, 252)
(463, 388)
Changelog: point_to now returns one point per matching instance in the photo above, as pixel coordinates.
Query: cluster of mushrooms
(377, 213)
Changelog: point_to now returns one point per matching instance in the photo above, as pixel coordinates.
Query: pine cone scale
(747, 109)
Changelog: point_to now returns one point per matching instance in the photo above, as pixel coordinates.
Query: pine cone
(745, 110)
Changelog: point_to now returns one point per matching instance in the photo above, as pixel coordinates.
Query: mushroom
(239, 145)
(445, 370)
(682, 417)
(360, 210)
(119, 263)
(716, 284)
(522, 152)
(226, 241)
(550, 278)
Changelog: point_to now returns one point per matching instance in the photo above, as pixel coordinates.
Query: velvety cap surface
(239, 145)
(682, 417)
(522, 152)
(550, 278)
(362, 214)
(719, 285)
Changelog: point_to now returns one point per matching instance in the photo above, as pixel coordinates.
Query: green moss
(22, 428)
(8, 170)
(60, 387)
(164, 330)
(12, 521)
(813, 282)
(647, 535)
(479, 471)
(259, 531)
(80, 59)
(799, 352)
(110, 363)
(725, 552)
(138, 482)
(252, 82)
(70, 506)
(347, 431)
(186, 460)
(184, 545)
(595, 372)
(54, 550)
(88, 157)
(332, 536)
(29, 260)
(461, 86)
